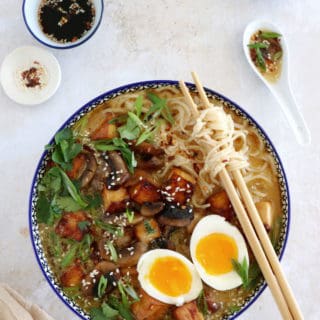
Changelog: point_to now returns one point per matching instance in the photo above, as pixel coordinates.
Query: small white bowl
(30, 15)
(22, 60)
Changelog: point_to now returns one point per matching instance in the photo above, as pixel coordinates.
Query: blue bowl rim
(66, 46)
(148, 83)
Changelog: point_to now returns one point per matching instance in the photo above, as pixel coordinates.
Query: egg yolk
(215, 253)
(170, 276)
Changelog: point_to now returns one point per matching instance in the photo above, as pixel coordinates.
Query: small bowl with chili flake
(62, 24)
(30, 75)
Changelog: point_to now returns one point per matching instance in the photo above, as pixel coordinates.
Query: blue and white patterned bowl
(33, 224)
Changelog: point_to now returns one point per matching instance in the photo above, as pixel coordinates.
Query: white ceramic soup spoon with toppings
(280, 87)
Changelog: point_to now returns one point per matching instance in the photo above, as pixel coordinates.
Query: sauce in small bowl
(266, 53)
(67, 20)
(62, 24)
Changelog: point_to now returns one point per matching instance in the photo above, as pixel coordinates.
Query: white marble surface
(162, 39)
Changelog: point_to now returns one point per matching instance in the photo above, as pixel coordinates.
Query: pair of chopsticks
(254, 230)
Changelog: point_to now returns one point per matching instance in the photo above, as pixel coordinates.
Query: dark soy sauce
(66, 20)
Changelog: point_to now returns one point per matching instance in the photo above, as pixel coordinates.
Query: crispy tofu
(149, 308)
(188, 311)
(179, 187)
(144, 191)
(106, 130)
(147, 230)
(68, 226)
(114, 201)
(221, 205)
(72, 276)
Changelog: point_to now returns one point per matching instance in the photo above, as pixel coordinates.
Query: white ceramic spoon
(281, 87)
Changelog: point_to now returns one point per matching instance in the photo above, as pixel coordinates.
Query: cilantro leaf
(67, 204)
(43, 209)
(130, 130)
(65, 148)
(109, 312)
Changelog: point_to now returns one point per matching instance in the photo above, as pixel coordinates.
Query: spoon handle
(294, 116)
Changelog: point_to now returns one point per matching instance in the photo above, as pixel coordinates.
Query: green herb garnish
(104, 312)
(234, 308)
(78, 249)
(242, 269)
(102, 285)
(122, 306)
(83, 225)
(129, 214)
(257, 45)
(70, 256)
(113, 251)
(148, 227)
(138, 105)
(73, 191)
(120, 145)
(84, 248)
(111, 228)
(202, 303)
(269, 35)
(65, 148)
(260, 60)
(277, 55)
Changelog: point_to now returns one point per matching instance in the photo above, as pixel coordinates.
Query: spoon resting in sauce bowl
(266, 51)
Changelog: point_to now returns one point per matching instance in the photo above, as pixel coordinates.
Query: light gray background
(162, 39)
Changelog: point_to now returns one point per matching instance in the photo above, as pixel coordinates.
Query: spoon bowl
(280, 88)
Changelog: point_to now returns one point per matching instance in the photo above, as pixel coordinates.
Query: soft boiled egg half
(213, 245)
(169, 277)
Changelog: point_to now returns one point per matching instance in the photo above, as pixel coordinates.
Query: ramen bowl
(155, 85)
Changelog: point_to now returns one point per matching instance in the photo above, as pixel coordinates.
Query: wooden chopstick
(259, 228)
(267, 246)
(244, 220)
(187, 95)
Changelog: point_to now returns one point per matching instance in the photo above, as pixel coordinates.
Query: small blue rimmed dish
(132, 88)
(30, 12)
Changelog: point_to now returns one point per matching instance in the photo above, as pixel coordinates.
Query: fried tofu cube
(147, 230)
(221, 205)
(148, 308)
(188, 311)
(68, 226)
(106, 130)
(72, 276)
(179, 187)
(144, 191)
(115, 201)
(219, 201)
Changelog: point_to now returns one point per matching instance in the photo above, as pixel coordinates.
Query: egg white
(144, 266)
(217, 224)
